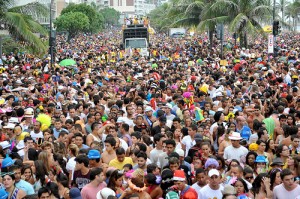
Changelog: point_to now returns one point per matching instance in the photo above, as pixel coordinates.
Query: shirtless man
(109, 152)
(255, 114)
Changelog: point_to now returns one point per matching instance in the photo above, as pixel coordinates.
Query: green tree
(111, 16)
(292, 13)
(22, 25)
(242, 16)
(159, 18)
(95, 18)
(73, 22)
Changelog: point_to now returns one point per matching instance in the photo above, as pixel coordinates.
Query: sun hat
(104, 193)
(261, 159)
(5, 144)
(179, 175)
(228, 190)
(277, 161)
(235, 136)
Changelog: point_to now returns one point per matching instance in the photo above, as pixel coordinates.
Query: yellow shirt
(22, 136)
(119, 165)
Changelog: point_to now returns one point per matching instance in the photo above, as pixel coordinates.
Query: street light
(51, 36)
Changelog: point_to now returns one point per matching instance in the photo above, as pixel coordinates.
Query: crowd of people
(185, 122)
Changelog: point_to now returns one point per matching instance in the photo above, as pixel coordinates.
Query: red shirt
(188, 193)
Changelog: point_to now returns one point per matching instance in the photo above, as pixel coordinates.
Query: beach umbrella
(67, 62)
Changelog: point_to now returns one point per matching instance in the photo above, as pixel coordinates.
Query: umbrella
(67, 62)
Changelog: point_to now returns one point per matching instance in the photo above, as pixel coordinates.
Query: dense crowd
(184, 122)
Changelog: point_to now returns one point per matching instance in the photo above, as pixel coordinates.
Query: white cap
(213, 172)
(148, 108)
(5, 144)
(9, 126)
(105, 192)
(180, 152)
(13, 120)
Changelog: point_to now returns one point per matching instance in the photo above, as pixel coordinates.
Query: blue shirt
(56, 132)
(25, 186)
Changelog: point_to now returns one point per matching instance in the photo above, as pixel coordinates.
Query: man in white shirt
(36, 133)
(288, 188)
(154, 153)
(235, 151)
(213, 189)
(188, 141)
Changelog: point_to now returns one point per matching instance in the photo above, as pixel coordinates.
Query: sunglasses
(249, 177)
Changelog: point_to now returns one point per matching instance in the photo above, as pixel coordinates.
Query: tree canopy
(73, 22)
(95, 18)
(111, 16)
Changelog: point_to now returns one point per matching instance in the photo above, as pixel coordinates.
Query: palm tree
(21, 24)
(242, 16)
(292, 12)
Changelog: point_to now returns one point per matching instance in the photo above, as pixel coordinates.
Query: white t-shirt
(71, 165)
(235, 153)
(207, 193)
(154, 153)
(188, 142)
(36, 136)
(197, 189)
(280, 192)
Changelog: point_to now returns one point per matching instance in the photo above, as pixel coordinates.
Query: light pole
(51, 37)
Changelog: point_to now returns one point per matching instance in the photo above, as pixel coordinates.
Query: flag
(199, 115)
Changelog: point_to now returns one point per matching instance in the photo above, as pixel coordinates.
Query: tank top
(14, 193)
(96, 138)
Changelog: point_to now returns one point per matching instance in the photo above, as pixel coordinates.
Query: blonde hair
(74, 149)
(43, 156)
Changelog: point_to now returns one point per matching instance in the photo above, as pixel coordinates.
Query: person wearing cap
(277, 163)
(213, 189)
(186, 191)
(149, 117)
(168, 108)
(260, 165)
(75, 193)
(229, 192)
(94, 158)
(235, 151)
(106, 192)
(97, 183)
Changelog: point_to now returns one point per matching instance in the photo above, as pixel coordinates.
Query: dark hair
(268, 146)
(217, 116)
(62, 179)
(142, 147)
(94, 125)
(142, 154)
(120, 151)
(167, 180)
(200, 170)
(136, 134)
(94, 172)
(285, 172)
(128, 165)
(170, 142)
(247, 156)
(233, 160)
(279, 149)
(53, 189)
(111, 141)
(125, 126)
(82, 159)
(244, 184)
(272, 174)
(151, 178)
(257, 183)
(43, 190)
(116, 174)
(218, 157)
(151, 167)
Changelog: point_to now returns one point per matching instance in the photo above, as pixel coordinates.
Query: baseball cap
(180, 152)
(8, 161)
(198, 137)
(75, 193)
(213, 172)
(104, 193)
(94, 154)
